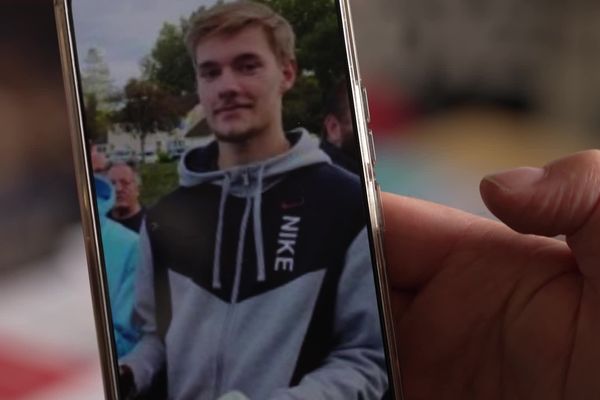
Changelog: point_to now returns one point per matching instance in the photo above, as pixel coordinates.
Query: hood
(249, 181)
(199, 165)
(105, 195)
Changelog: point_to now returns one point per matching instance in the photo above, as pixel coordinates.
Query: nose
(228, 84)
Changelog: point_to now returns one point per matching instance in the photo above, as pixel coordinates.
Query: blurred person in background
(100, 163)
(121, 249)
(128, 210)
(338, 132)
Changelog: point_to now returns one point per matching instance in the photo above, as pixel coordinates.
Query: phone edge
(367, 152)
(90, 223)
(89, 219)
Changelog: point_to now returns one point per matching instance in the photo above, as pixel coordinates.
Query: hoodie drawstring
(303, 152)
(257, 224)
(219, 235)
(257, 219)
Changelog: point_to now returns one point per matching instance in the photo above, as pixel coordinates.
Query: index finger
(420, 235)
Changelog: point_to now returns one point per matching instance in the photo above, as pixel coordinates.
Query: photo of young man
(255, 278)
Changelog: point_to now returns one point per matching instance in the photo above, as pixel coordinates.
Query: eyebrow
(246, 56)
(208, 64)
(238, 58)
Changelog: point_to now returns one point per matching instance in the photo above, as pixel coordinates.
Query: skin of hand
(490, 310)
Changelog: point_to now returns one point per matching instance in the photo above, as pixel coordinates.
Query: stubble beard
(237, 136)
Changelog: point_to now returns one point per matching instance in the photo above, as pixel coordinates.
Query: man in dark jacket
(256, 279)
(339, 140)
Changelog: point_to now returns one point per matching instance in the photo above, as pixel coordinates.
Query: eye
(248, 67)
(209, 73)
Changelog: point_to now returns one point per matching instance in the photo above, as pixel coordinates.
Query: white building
(126, 145)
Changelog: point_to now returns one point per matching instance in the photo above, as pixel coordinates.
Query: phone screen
(231, 200)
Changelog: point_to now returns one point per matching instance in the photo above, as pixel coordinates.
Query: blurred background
(47, 339)
(457, 89)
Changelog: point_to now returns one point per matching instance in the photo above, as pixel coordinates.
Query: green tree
(148, 108)
(321, 58)
(97, 120)
(168, 63)
(318, 45)
(302, 105)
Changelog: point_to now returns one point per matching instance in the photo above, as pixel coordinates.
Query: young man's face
(241, 83)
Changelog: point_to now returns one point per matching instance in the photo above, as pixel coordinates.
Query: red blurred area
(26, 370)
(391, 111)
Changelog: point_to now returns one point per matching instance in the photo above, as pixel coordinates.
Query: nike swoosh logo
(286, 205)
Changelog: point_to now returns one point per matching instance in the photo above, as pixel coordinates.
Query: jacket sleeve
(355, 367)
(148, 356)
(127, 333)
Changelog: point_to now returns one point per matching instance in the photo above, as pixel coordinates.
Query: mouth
(232, 107)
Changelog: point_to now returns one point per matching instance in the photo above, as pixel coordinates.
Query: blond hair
(231, 18)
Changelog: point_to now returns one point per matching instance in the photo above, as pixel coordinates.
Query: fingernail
(516, 179)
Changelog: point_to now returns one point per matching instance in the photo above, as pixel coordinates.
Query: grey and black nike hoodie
(258, 279)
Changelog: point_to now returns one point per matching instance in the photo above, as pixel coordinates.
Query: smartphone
(231, 215)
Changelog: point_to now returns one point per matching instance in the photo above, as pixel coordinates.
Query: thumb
(561, 198)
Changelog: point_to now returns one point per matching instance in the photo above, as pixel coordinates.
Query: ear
(333, 131)
(289, 68)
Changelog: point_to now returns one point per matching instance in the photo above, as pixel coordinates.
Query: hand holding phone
(489, 313)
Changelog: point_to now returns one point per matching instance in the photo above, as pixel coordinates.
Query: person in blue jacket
(121, 253)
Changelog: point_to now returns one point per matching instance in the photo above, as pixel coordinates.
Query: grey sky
(125, 30)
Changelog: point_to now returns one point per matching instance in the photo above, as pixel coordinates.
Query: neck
(123, 213)
(261, 147)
